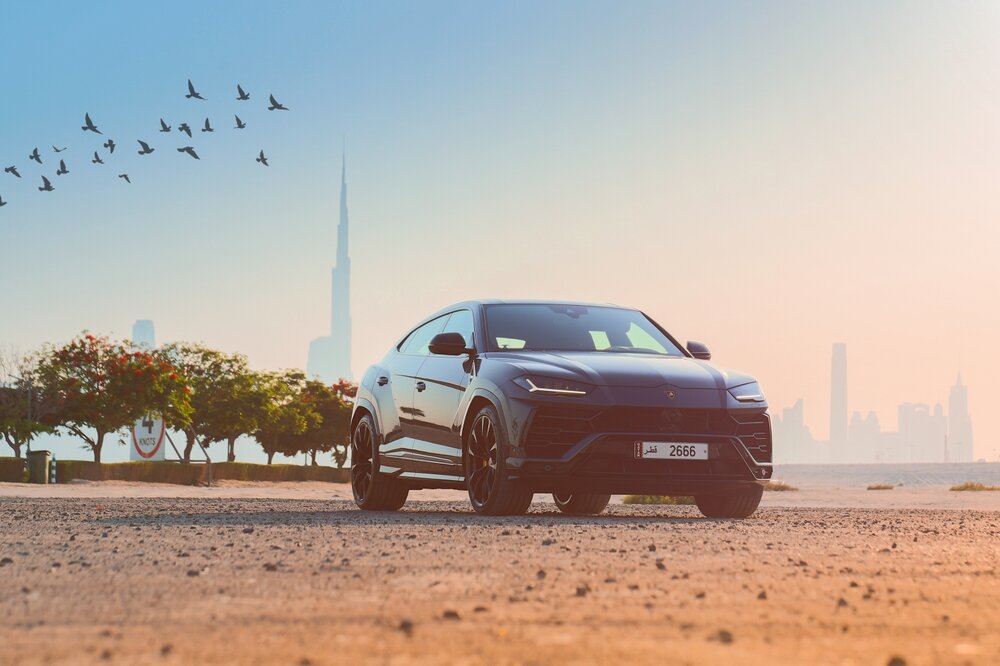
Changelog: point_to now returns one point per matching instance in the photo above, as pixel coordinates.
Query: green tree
(227, 398)
(331, 428)
(103, 386)
(241, 405)
(286, 415)
(341, 420)
(200, 366)
(24, 411)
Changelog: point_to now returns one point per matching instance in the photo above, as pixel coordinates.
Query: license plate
(671, 450)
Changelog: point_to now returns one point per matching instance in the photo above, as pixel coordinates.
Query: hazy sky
(767, 177)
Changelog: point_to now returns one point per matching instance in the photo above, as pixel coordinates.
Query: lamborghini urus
(506, 399)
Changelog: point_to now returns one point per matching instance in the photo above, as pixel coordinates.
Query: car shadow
(345, 513)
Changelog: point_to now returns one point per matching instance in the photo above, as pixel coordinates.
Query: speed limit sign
(147, 439)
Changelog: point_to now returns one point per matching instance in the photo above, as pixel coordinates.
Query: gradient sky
(766, 177)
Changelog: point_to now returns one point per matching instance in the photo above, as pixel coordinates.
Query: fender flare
(372, 409)
(480, 392)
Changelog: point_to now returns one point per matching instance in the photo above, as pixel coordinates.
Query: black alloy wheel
(372, 491)
(490, 491)
(581, 504)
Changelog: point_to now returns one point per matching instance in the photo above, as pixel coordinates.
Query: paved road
(269, 581)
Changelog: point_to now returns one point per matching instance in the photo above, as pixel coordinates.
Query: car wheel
(739, 503)
(372, 491)
(581, 504)
(490, 491)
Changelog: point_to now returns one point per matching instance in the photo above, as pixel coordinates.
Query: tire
(581, 504)
(739, 503)
(372, 491)
(491, 492)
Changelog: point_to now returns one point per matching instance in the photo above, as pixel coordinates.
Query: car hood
(623, 369)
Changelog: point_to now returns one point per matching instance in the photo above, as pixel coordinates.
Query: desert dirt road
(277, 581)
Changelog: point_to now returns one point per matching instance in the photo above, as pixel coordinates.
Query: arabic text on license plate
(671, 450)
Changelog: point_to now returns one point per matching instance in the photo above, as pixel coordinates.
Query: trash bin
(38, 466)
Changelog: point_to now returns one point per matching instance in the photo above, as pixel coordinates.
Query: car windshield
(574, 328)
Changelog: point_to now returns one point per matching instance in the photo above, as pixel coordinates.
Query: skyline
(764, 190)
(330, 355)
(924, 433)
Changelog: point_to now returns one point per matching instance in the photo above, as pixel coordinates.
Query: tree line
(95, 388)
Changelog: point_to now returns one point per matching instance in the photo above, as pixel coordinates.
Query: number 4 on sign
(147, 423)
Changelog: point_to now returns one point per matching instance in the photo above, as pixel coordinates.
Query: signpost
(147, 439)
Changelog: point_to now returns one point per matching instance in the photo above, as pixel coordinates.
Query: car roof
(529, 301)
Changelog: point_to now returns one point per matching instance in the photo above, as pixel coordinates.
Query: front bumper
(570, 448)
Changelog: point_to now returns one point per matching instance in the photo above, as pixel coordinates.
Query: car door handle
(382, 381)
(421, 386)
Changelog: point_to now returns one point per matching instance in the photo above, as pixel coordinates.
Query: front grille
(555, 430)
(658, 419)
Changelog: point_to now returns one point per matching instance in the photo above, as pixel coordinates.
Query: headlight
(747, 393)
(550, 386)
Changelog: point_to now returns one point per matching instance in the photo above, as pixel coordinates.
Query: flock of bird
(144, 147)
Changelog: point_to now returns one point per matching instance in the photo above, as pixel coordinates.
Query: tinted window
(542, 327)
(417, 341)
(460, 322)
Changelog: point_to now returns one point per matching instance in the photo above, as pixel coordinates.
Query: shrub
(881, 486)
(973, 485)
(657, 499)
(778, 485)
(12, 470)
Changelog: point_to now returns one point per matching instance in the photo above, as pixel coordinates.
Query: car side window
(461, 322)
(418, 341)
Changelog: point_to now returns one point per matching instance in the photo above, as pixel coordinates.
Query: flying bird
(110, 145)
(97, 159)
(207, 127)
(46, 185)
(35, 156)
(184, 127)
(146, 150)
(2, 202)
(239, 123)
(190, 151)
(12, 170)
(163, 126)
(90, 126)
(276, 106)
(262, 159)
(125, 176)
(243, 96)
(62, 170)
(192, 92)
(58, 150)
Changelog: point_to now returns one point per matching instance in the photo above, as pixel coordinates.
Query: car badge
(671, 394)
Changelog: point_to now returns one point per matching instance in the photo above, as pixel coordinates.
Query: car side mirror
(699, 350)
(448, 344)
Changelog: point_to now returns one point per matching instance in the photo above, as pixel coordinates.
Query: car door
(399, 382)
(440, 386)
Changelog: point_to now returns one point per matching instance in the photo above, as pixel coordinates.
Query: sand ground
(816, 496)
(281, 574)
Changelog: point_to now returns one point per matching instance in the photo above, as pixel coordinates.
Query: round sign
(147, 438)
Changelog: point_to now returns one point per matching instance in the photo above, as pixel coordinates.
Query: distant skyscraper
(330, 356)
(923, 432)
(959, 424)
(143, 333)
(838, 394)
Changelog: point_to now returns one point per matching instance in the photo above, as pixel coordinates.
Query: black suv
(507, 399)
